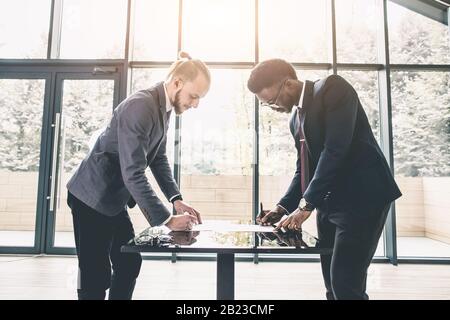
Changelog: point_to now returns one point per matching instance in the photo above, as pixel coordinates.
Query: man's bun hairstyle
(187, 68)
(184, 55)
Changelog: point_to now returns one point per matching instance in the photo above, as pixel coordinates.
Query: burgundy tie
(303, 155)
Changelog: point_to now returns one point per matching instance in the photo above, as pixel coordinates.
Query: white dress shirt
(300, 105)
(169, 107)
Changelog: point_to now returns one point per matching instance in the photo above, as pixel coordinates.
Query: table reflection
(297, 239)
(157, 237)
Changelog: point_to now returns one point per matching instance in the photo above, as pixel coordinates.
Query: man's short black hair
(269, 72)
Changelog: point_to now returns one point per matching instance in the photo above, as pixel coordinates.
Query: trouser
(354, 238)
(98, 240)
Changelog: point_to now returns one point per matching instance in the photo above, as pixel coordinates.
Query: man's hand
(267, 218)
(290, 238)
(295, 220)
(184, 238)
(182, 222)
(182, 207)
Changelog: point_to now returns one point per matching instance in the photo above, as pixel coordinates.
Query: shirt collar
(302, 96)
(169, 106)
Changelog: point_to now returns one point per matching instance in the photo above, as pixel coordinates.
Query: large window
(216, 141)
(356, 26)
(220, 30)
(294, 30)
(93, 29)
(24, 26)
(21, 105)
(421, 120)
(151, 41)
(416, 39)
(217, 153)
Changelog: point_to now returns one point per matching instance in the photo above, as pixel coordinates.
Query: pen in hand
(262, 213)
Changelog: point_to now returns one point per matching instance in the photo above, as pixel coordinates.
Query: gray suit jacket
(113, 172)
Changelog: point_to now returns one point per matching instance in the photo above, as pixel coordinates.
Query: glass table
(226, 242)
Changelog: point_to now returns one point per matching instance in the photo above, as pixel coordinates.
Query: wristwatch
(305, 205)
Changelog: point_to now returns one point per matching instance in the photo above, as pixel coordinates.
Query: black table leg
(225, 276)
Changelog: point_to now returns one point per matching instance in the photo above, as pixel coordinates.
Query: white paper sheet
(223, 226)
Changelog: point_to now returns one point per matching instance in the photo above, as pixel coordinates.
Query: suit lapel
(158, 94)
(307, 101)
(162, 104)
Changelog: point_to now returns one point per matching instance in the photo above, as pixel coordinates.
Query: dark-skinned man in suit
(341, 172)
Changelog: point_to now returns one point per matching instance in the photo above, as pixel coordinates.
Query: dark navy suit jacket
(348, 168)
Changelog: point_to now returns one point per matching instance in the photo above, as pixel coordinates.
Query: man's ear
(291, 86)
(290, 83)
(178, 83)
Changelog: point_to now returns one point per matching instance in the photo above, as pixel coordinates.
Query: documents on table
(223, 226)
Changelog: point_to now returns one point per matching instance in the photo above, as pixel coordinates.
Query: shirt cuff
(285, 211)
(174, 196)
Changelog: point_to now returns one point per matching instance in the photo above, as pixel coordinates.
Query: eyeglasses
(274, 103)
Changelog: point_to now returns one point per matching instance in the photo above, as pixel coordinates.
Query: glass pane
(294, 30)
(86, 108)
(421, 122)
(356, 26)
(21, 103)
(144, 79)
(217, 148)
(93, 29)
(24, 26)
(366, 85)
(275, 139)
(220, 30)
(416, 39)
(151, 42)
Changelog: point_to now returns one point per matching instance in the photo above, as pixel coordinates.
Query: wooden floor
(55, 278)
